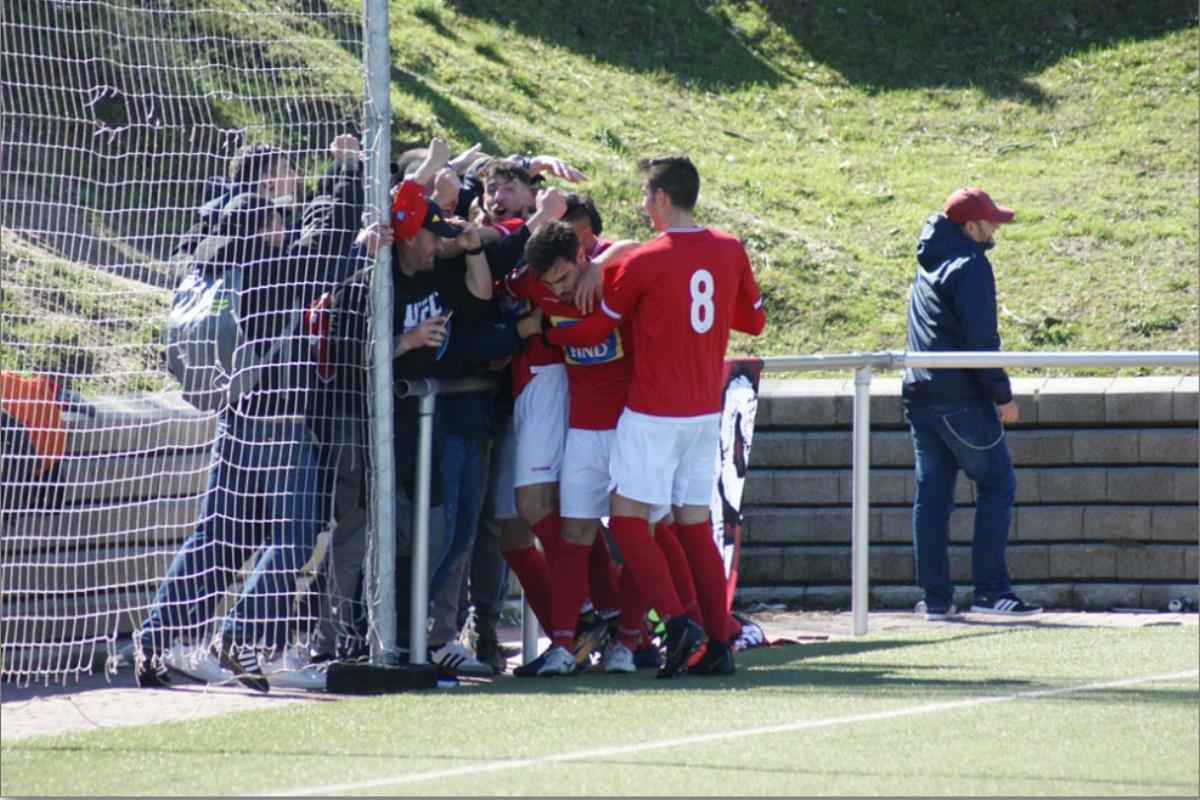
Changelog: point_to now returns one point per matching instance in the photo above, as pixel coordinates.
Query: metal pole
(529, 631)
(860, 510)
(377, 127)
(420, 538)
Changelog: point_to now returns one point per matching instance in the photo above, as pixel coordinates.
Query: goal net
(130, 129)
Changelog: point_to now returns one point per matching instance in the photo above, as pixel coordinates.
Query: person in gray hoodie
(957, 416)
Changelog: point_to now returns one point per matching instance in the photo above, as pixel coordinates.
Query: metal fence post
(529, 631)
(419, 613)
(377, 133)
(860, 510)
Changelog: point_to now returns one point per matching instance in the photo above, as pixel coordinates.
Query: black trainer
(150, 672)
(717, 660)
(530, 670)
(591, 636)
(1005, 605)
(243, 663)
(683, 637)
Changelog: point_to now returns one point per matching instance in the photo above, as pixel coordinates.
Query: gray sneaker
(938, 614)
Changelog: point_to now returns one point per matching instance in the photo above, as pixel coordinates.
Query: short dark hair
(675, 175)
(580, 206)
(252, 161)
(556, 240)
(505, 170)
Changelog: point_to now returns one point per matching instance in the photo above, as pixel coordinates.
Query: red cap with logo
(971, 203)
(411, 212)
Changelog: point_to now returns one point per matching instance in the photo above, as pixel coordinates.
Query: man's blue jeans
(463, 477)
(261, 494)
(947, 438)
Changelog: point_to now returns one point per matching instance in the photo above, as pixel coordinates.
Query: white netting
(120, 122)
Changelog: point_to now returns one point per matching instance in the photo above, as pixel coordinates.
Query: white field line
(706, 738)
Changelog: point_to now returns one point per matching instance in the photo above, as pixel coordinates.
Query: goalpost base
(361, 678)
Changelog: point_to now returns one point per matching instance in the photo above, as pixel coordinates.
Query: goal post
(121, 124)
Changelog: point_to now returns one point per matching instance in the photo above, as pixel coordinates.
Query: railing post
(860, 512)
(419, 613)
(377, 133)
(529, 631)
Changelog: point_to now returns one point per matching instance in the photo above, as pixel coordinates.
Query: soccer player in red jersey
(683, 292)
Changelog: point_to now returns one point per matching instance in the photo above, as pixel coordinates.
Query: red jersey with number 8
(683, 291)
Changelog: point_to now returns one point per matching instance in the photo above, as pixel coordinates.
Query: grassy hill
(825, 133)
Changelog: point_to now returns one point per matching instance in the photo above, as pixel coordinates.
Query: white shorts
(665, 460)
(583, 487)
(531, 451)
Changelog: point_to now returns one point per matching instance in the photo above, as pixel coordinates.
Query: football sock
(602, 577)
(531, 569)
(633, 611)
(646, 564)
(709, 572)
(547, 531)
(569, 582)
(681, 572)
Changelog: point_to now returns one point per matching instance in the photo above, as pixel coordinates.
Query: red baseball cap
(971, 203)
(411, 212)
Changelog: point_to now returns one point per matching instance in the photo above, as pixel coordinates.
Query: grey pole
(861, 504)
(420, 541)
(529, 631)
(377, 127)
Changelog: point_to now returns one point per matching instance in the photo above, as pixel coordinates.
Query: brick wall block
(892, 564)
(1072, 485)
(1087, 561)
(1191, 565)
(1117, 523)
(816, 564)
(1179, 446)
(1077, 400)
(1133, 400)
(1028, 562)
(1105, 447)
(1158, 595)
(807, 487)
(828, 449)
(1185, 405)
(1150, 562)
(1034, 523)
(1175, 523)
(1141, 485)
(761, 565)
(1187, 486)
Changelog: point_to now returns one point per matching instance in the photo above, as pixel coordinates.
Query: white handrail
(863, 363)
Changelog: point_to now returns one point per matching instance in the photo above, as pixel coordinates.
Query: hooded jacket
(953, 308)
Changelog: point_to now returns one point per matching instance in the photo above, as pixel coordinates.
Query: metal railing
(863, 365)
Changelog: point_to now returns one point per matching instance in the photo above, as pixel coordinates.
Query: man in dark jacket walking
(957, 416)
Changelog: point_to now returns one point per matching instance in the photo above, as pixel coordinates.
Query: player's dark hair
(580, 206)
(252, 161)
(556, 240)
(675, 175)
(505, 170)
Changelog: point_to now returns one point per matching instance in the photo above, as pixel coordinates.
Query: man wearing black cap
(957, 416)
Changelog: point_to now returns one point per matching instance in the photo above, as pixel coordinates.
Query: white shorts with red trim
(665, 460)
(583, 486)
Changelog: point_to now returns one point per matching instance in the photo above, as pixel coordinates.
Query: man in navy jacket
(957, 416)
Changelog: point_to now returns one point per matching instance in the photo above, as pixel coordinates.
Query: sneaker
(196, 662)
(293, 671)
(453, 659)
(558, 662)
(530, 670)
(243, 663)
(938, 613)
(150, 672)
(647, 657)
(487, 650)
(1005, 605)
(683, 637)
(717, 660)
(619, 658)
(591, 635)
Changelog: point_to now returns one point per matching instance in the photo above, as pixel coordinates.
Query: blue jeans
(261, 494)
(463, 479)
(947, 438)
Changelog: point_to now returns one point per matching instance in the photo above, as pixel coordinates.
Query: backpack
(207, 351)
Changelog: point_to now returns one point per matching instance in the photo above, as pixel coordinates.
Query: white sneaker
(292, 670)
(619, 658)
(559, 661)
(454, 659)
(196, 662)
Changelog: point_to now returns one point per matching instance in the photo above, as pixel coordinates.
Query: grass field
(967, 709)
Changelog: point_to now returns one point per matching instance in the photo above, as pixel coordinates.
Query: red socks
(547, 530)
(633, 611)
(708, 570)
(602, 577)
(570, 588)
(531, 569)
(681, 573)
(645, 562)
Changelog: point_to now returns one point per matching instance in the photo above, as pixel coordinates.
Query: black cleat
(151, 673)
(717, 660)
(683, 637)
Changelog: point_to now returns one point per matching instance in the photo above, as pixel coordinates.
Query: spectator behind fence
(262, 482)
(957, 416)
